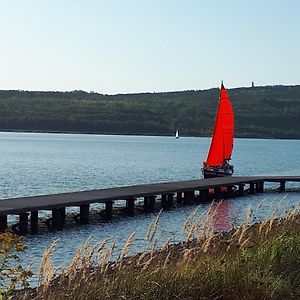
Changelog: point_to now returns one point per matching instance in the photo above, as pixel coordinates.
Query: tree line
(261, 112)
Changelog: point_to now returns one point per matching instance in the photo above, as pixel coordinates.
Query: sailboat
(217, 162)
(177, 134)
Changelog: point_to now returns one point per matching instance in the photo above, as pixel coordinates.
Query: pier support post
(130, 206)
(84, 213)
(260, 187)
(146, 203)
(170, 198)
(164, 201)
(229, 191)
(282, 186)
(3, 223)
(179, 197)
(63, 215)
(217, 193)
(204, 195)
(151, 203)
(58, 217)
(188, 197)
(241, 189)
(108, 210)
(23, 223)
(34, 219)
(252, 188)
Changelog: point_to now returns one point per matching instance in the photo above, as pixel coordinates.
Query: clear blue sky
(157, 45)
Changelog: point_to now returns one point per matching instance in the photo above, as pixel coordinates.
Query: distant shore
(262, 112)
(137, 134)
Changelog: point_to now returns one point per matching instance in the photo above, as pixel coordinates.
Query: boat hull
(216, 172)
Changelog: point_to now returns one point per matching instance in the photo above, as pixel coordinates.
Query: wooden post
(260, 187)
(23, 223)
(229, 191)
(108, 210)
(151, 203)
(63, 215)
(256, 187)
(146, 203)
(252, 188)
(130, 206)
(217, 193)
(164, 202)
(3, 223)
(170, 198)
(241, 189)
(179, 197)
(188, 197)
(282, 186)
(204, 195)
(58, 217)
(84, 213)
(34, 219)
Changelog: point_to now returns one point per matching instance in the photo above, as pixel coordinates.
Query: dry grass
(259, 261)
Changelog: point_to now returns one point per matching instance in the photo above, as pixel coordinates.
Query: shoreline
(137, 134)
(242, 253)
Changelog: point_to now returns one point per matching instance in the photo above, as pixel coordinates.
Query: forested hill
(264, 112)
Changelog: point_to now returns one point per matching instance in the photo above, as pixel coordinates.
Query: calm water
(41, 163)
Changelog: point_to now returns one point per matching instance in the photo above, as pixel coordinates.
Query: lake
(44, 163)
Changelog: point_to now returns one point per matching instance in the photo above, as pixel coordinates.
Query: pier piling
(84, 213)
(188, 197)
(151, 203)
(217, 193)
(146, 204)
(130, 206)
(260, 187)
(34, 219)
(3, 223)
(241, 189)
(23, 223)
(179, 197)
(282, 186)
(252, 188)
(229, 191)
(204, 195)
(164, 202)
(108, 210)
(58, 217)
(170, 198)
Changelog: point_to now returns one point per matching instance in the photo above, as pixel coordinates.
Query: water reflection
(221, 220)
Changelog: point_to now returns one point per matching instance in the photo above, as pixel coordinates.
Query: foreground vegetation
(265, 112)
(260, 261)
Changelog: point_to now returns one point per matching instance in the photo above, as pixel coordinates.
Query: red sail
(222, 140)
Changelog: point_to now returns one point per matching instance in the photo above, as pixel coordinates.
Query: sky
(131, 46)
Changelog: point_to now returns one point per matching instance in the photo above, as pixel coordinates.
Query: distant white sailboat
(177, 134)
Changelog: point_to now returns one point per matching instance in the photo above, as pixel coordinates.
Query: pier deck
(184, 189)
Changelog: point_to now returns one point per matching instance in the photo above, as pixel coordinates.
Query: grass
(259, 261)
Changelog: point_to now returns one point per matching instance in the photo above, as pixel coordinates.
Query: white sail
(177, 134)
